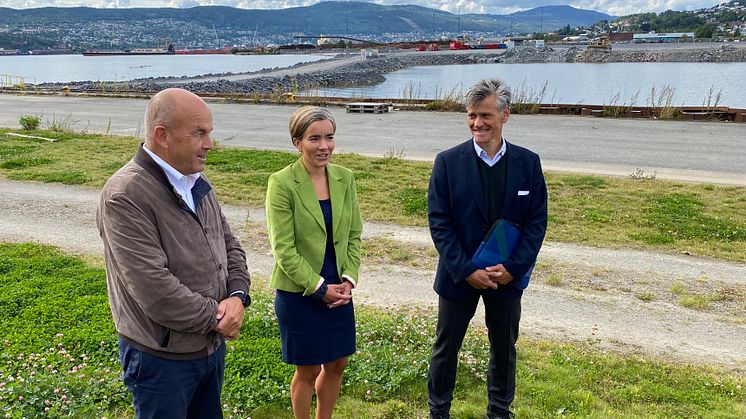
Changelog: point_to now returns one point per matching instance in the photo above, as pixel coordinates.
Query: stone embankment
(371, 71)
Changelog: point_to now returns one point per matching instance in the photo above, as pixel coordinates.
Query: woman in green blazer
(314, 230)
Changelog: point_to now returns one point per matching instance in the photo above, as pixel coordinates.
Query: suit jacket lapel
(338, 192)
(472, 177)
(514, 180)
(305, 190)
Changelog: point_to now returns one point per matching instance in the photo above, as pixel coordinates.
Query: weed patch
(67, 178)
(24, 162)
(414, 201)
(29, 122)
(681, 217)
(696, 301)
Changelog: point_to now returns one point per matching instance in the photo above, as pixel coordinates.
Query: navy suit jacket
(457, 214)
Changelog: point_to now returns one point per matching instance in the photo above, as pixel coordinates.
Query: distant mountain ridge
(324, 17)
(84, 27)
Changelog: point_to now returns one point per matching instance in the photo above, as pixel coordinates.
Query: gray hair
(488, 87)
(305, 116)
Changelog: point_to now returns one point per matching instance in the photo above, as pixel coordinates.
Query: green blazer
(297, 232)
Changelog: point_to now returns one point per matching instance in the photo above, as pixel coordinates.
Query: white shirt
(183, 184)
(483, 154)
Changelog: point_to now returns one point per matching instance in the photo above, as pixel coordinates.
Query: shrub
(445, 105)
(29, 122)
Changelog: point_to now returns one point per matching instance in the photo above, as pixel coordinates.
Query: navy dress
(312, 333)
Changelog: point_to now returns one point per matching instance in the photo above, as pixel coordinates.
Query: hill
(85, 27)
(722, 20)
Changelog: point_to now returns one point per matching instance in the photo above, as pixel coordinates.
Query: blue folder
(496, 248)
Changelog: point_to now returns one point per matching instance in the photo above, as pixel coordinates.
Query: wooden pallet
(367, 107)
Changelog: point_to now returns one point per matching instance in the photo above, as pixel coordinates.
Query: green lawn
(59, 352)
(698, 219)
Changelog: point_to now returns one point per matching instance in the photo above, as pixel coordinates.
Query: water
(66, 68)
(569, 83)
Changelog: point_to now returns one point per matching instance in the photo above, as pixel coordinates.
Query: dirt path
(578, 294)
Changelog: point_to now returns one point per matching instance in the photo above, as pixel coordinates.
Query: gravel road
(600, 299)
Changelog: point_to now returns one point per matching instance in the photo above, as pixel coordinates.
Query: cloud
(612, 7)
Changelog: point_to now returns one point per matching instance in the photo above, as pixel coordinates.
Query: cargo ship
(135, 51)
(226, 50)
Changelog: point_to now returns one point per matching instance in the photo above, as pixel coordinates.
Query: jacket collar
(337, 192)
(201, 186)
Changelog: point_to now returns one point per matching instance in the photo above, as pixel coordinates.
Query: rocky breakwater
(720, 54)
(364, 72)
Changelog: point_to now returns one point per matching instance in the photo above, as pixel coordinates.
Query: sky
(612, 7)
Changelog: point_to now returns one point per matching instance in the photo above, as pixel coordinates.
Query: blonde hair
(304, 117)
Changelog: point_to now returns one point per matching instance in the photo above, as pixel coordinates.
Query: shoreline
(352, 71)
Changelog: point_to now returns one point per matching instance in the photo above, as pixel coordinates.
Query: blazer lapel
(304, 188)
(472, 177)
(338, 192)
(514, 173)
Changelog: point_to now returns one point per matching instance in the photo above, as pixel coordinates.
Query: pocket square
(522, 193)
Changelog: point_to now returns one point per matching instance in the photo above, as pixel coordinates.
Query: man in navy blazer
(472, 185)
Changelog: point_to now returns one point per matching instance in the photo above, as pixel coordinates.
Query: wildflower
(20, 397)
(56, 391)
(46, 409)
(46, 402)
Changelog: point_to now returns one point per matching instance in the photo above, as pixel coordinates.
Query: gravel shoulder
(614, 299)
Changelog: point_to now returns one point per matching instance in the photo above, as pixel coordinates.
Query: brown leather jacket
(167, 268)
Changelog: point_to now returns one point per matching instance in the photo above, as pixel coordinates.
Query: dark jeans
(502, 317)
(164, 388)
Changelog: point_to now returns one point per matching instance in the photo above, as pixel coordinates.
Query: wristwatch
(245, 298)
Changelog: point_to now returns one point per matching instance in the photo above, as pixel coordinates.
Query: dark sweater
(493, 183)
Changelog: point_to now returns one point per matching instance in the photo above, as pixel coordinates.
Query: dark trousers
(502, 317)
(164, 388)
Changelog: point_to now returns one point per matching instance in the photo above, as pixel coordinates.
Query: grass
(554, 279)
(59, 352)
(645, 297)
(637, 212)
